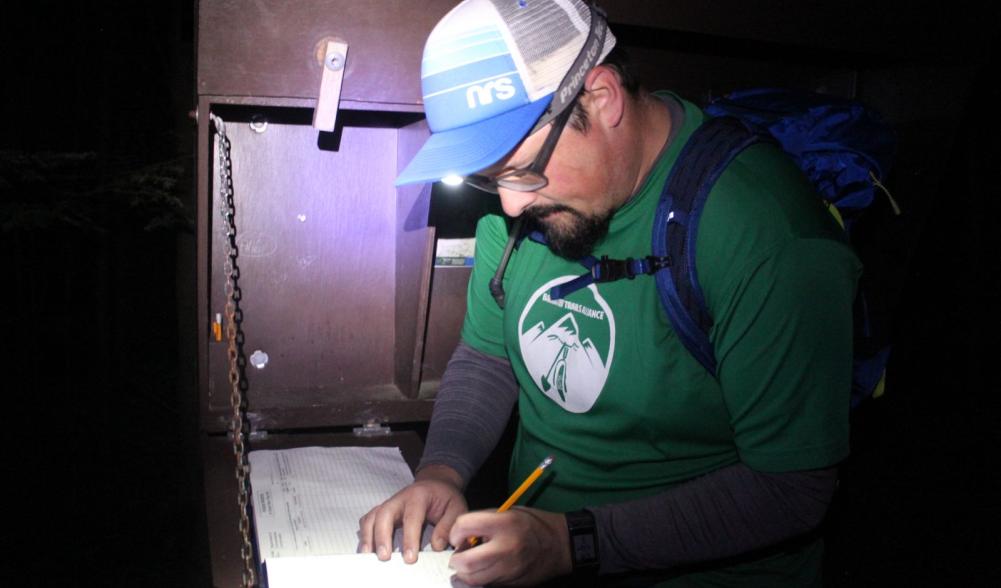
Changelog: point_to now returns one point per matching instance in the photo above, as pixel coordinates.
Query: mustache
(541, 211)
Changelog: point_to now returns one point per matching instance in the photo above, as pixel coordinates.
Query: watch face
(583, 540)
(584, 548)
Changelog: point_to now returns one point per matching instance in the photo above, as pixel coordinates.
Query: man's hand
(434, 497)
(520, 547)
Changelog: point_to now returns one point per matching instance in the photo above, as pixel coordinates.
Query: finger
(478, 568)
(413, 524)
(365, 532)
(472, 524)
(382, 530)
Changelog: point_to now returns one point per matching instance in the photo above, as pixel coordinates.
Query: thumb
(472, 524)
(439, 538)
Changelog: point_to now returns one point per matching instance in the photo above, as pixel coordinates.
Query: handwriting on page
(307, 501)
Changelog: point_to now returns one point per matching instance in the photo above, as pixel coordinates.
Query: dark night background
(101, 462)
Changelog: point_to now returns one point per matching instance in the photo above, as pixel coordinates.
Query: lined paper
(307, 500)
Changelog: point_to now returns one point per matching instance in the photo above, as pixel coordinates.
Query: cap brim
(471, 148)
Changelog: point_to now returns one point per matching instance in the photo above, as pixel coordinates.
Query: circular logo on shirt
(567, 344)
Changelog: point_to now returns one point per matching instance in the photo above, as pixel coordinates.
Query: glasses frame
(531, 178)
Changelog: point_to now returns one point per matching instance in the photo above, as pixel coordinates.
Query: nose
(514, 202)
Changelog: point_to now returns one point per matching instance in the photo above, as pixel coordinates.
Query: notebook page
(363, 570)
(307, 500)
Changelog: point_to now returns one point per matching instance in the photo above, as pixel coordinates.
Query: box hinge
(372, 428)
(253, 433)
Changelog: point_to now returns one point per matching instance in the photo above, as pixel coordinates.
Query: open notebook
(307, 502)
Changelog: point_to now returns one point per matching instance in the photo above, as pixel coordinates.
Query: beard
(572, 237)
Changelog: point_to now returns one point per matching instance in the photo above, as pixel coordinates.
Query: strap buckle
(610, 270)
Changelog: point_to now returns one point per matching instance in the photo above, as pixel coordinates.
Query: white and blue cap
(494, 71)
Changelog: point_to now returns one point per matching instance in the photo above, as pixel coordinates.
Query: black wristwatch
(583, 543)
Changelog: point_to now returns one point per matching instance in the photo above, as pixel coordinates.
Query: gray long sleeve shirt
(725, 513)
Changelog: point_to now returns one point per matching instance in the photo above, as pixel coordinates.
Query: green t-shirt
(608, 388)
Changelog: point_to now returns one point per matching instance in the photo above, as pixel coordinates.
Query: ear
(605, 96)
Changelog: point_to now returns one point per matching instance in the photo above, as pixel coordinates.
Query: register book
(306, 505)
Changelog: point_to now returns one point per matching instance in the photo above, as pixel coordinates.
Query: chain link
(234, 337)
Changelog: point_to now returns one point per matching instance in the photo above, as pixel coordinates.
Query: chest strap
(609, 270)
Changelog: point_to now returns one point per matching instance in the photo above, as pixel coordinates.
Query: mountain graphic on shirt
(567, 369)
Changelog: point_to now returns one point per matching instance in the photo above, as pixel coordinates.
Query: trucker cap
(495, 71)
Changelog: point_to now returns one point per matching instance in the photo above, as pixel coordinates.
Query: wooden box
(345, 319)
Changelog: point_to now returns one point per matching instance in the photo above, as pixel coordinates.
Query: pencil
(521, 490)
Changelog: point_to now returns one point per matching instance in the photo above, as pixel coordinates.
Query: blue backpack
(843, 148)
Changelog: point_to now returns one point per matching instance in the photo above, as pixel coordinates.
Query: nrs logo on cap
(502, 89)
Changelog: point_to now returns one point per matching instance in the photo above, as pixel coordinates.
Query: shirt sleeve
(474, 403)
(779, 280)
(728, 512)
(482, 328)
(784, 347)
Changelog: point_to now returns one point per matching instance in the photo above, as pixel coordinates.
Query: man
(663, 474)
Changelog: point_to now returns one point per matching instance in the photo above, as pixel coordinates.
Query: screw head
(259, 359)
(334, 61)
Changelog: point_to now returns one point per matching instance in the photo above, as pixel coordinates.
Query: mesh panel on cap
(547, 36)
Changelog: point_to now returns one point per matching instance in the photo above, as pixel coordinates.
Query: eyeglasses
(531, 178)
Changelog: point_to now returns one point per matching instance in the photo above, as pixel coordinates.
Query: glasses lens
(485, 183)
(530, 178)
(522, 180)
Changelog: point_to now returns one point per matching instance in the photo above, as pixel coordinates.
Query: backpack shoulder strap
(707, 153)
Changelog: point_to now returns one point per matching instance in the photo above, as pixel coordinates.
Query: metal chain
(234, 336)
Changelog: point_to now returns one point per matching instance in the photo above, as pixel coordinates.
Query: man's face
(575, 208)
